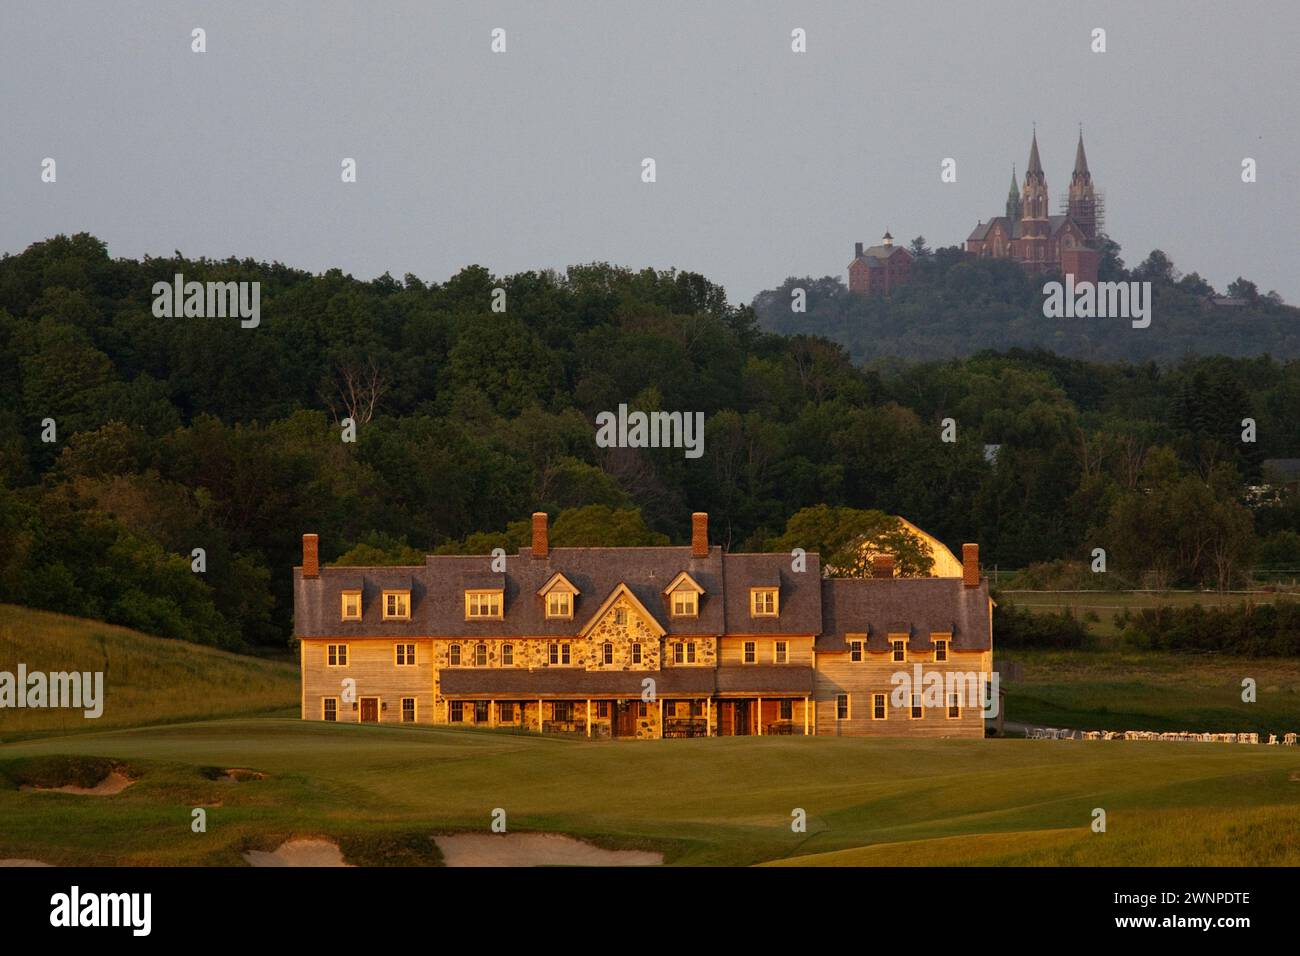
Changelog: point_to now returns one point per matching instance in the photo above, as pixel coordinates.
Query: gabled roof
(917, 607)
(683, 582)
(622, 591)
(557, 581)
(800, 595)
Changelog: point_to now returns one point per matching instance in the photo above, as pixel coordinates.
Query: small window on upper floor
(620, 616)
(764, 602)
(899, 651)
(855, 651)
(750, 652)
(397, 605)
(453, 655)
(481, 605)
(508, 655)
(559, 604)
(686, 604)
(940, 650)
(351, 610)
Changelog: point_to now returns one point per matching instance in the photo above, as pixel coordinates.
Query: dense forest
(957, 306)
(127, 440)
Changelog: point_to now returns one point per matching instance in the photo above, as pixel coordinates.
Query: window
(607, 653)
(405, 655)
(842, 707)
(900, 651)
(480, 655)
(331, 705)
(636, 653)
(336, 655)
(679, 653)
(482, 604)
(562, 710)
(686, 604)
(408, 710)
(457, 712)
(559, 604)
(620, 616)
(558, 653)
(763, 602)
(453, 655)
(351, 605)
(697, 708)
(750, 652)
(397, 605)
(690, 653)
(480, 711)
(506, 712)
(564, 653)
(878, 711)
(787, 710)
(643, 711)
(508, 655)
(855, 651)
(940, 650)
(917, 710)
(781, 653)
(954, 706)
(602, 709)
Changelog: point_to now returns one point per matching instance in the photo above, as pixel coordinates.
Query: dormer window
(351, 609)
(558, 595)
(764, 602)
(684, 596)
(940, 650)
(559, 604)
(898, 649)
(397, 605)
(482, 605)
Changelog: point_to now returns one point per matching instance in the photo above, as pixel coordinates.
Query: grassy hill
(146, 679)
(383, 791)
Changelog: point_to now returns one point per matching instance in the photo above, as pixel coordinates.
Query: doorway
(370, 710)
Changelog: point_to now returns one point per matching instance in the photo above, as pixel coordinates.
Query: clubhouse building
(644, 642)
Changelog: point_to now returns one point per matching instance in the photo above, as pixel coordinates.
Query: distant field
(1113, 689)
(382, 791)
(146, 679)
(1106, 604)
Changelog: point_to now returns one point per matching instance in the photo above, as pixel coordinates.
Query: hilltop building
(879, 269)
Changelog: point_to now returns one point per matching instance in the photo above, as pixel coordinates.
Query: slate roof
(878, 607)
(799, 598)
(876, 256)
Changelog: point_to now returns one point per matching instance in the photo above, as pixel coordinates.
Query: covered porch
(765, 700)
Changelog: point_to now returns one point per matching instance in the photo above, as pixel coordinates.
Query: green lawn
(381, 791)
(146, 679)
(1113, 689)
(1106, 604)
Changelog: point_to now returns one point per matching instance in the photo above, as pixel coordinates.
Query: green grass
(146, 679)
(383, 791)
(1153, 690)
(1106, 604)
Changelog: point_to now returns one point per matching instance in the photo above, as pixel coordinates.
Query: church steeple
(1013, 199)
(1083, 198)
(1034, 203)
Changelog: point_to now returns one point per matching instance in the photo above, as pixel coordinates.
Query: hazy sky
(769, 163)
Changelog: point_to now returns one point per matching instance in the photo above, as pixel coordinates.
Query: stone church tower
(1083, 198)
(1034, 227)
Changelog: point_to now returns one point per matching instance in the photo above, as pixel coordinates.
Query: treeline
(957, 306)
(171, 435)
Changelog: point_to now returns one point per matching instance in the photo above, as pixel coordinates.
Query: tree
(848, 538)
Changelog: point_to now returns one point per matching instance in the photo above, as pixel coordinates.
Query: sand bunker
(240, 775)
(115, 782)
(21, 862)
(535, 849)
(299, 853)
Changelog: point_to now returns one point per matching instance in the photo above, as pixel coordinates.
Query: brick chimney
(700, 534)
(310, 556)
(857, 250)
(970, 565)
(541, 538)
(882, 566)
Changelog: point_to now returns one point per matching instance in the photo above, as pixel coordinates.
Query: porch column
(492, 713)
(760, 717)
(661, 718)
(539, 715)
(588, 716)
(805, 716)
(708, 716)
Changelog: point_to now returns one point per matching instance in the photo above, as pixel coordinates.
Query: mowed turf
(1115, 689)
(146, 679)
(381, 791)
